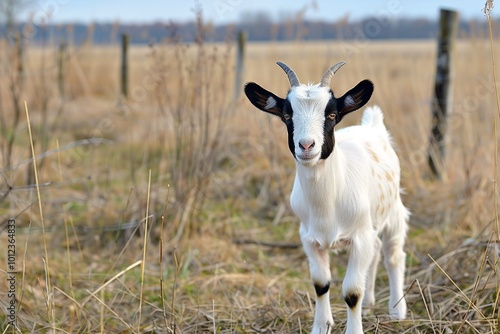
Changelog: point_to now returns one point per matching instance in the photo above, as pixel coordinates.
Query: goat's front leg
(319, 265)
(353, 287)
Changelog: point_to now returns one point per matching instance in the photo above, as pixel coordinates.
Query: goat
(346, 191)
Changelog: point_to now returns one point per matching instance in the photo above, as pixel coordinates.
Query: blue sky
(225, 11)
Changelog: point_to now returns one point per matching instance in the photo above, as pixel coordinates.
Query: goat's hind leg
(369, 298)
(393, 239)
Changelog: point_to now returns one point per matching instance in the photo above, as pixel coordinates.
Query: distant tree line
(258, 28)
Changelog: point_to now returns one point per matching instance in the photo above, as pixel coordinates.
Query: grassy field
(167, 212)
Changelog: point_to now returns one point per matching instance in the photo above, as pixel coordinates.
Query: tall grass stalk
(68, 253)
(488, 7)
(162, 293)
(44, 237)
(101, 313)
(144, 249)
(177, 269)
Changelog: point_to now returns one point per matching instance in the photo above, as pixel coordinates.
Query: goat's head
(310, 112)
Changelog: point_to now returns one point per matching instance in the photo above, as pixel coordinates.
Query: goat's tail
(373, 117)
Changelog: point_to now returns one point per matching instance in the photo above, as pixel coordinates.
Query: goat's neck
(325, 179)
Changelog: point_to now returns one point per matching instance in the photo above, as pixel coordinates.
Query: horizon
(222, 12)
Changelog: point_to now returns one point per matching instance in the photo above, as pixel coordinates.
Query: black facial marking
(328, 134)
(321, 289)
(287, 109)
(351, 299)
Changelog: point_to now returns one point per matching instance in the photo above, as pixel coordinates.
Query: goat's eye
(331, 116)
(286, 117)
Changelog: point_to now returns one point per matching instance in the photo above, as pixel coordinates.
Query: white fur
(271, 103)
(352, 196)
(349, 101)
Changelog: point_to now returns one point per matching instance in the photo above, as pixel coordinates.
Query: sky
(232, 11)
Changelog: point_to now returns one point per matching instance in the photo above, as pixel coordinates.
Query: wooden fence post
(124, 67)
(19, 56)
(240, 63)
(60, 69)
(448, 23)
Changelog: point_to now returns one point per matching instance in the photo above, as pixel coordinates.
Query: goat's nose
(306, 144)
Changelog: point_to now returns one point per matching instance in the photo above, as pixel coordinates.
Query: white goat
(346, 190)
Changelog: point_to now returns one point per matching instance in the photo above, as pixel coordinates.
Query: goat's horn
(327, 77)
(294, 80)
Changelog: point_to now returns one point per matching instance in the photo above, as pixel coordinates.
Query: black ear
(355, 98)
(264, 100)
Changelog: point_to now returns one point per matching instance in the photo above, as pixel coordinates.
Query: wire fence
(83, 229)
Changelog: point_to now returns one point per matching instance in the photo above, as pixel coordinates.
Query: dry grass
(96, 195)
